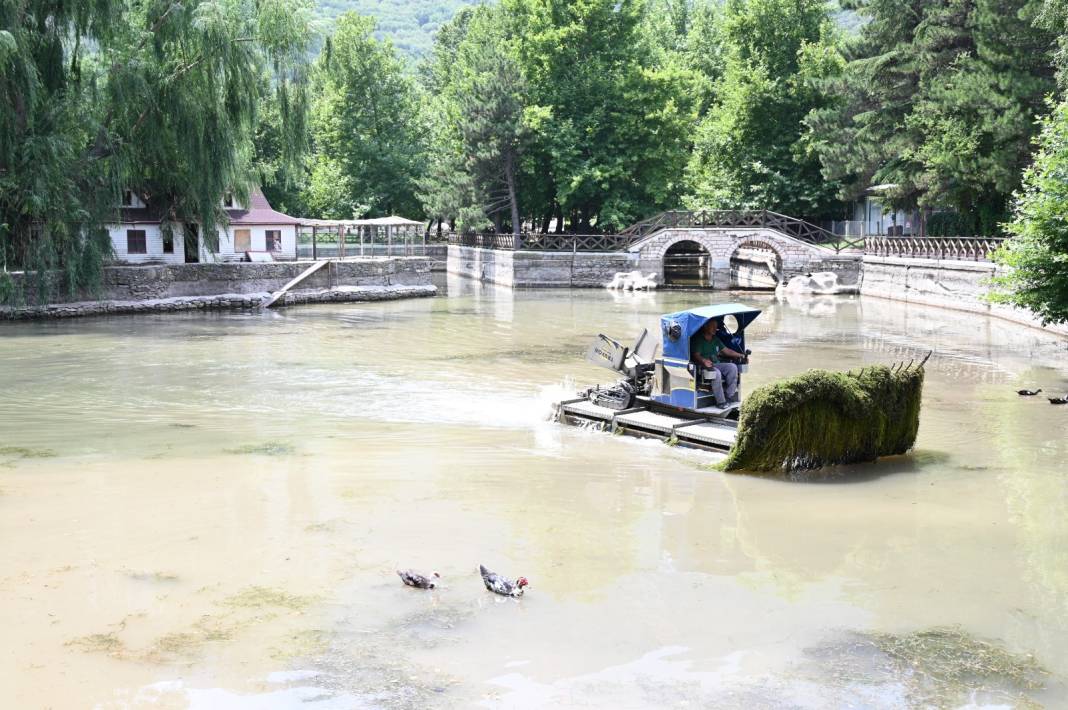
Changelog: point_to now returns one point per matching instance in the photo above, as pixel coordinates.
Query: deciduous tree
(1037, 254)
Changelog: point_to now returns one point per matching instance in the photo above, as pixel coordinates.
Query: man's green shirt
(708, 349)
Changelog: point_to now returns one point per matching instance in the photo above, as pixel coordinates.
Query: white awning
(392, 221)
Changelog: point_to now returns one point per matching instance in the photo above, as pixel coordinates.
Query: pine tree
(938, 100)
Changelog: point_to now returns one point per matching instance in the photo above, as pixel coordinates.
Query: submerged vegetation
(235, 614)
(268, 448)
(10, 455)
(940, 667)
(821, 418)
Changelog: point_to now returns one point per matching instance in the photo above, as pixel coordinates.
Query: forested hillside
(409, 24)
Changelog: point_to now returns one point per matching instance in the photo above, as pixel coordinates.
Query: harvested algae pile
(822, 418)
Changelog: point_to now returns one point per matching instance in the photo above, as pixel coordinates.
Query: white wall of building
(257, 242)
(153, 244)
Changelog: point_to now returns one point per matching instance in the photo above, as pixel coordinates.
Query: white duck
(502, 585)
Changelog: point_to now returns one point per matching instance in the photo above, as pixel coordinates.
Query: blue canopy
(684, 324)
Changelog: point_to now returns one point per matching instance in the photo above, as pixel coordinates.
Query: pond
(206, 510)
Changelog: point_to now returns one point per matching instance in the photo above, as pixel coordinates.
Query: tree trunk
(509, 177)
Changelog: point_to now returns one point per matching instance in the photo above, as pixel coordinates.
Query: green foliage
(603, 133)
(158, 95)
(479, 133)
(938, 99)
(748, 151)
(821, 418)
(367, 126)
(1037, 255)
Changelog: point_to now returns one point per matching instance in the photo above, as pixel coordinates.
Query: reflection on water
(223, 499)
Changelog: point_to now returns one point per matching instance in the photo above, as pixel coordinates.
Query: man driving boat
(707, 351)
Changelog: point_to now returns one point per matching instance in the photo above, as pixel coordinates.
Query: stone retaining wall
(140, 283)
(534, 269)
(246, 301)
(960, 285)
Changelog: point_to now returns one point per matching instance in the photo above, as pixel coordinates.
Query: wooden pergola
(368, 234)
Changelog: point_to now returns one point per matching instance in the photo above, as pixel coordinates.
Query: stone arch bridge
(715, 248)
(738, 248)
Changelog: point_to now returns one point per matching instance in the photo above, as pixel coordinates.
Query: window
(135, 241)
(168, 241)
(127, 198)
(228, 199)
(274, 240)
(242, 241)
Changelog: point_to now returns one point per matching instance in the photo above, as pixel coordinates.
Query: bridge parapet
(790, 226)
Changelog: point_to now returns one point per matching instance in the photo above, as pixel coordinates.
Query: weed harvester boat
(808, 421)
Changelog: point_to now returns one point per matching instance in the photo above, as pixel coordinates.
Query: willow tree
(159, 96)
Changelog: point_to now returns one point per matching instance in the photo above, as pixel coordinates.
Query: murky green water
(206, 511)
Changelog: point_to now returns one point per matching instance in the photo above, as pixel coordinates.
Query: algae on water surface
(10, 454)
(270, 448)
(941, 667)
(822, 418)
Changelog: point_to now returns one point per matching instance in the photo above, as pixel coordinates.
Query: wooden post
(315, 251)
(361, 240)
(389, 241)
(341, 239)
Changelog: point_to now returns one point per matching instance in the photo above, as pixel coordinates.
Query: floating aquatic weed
(146, 576)
(172, 645)
(941, 667)
(272, 448)
(258, 597)
(14, 453)
(108, 643)
(301, 644)
(954, 664)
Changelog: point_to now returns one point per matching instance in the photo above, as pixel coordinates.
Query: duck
(415, 579)
(1028, 393)
(502, 585)
(1058, 400)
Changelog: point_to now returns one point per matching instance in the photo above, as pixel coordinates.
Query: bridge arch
(687, 262)
(756, 263)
